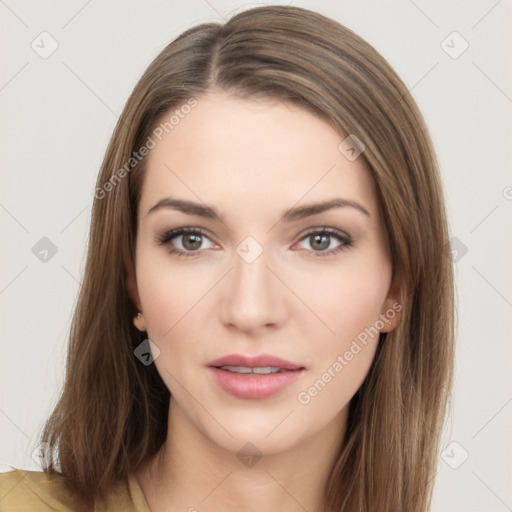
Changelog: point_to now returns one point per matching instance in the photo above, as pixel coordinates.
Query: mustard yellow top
(35, 491)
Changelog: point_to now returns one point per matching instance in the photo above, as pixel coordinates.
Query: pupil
(194, 244)
(318, 238)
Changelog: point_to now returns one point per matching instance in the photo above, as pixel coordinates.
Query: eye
(321, 241)
(189, 243)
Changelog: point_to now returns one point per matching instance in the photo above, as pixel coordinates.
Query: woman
(266, 316)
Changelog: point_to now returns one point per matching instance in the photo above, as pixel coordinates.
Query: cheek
(170, 293)
(341, 361)
(346, 300)
(349, 303)
(176, 299)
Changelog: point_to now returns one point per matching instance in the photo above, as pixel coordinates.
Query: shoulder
(23, 490)
(36, 491)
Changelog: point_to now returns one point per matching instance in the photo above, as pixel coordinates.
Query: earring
(139, 322)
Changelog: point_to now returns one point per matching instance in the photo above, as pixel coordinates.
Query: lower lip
(253, 386)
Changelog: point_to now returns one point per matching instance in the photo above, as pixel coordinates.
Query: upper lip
(262, 360)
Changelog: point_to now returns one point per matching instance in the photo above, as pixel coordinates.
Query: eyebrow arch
(291, 215)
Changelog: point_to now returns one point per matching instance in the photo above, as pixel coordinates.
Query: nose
(254, 298)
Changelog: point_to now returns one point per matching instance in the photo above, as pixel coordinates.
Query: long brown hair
(112, 413)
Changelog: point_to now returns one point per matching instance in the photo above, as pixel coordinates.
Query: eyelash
(169, 235)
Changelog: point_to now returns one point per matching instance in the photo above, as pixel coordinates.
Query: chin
(269, 434)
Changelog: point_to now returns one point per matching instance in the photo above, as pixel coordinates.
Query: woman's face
(262, 271)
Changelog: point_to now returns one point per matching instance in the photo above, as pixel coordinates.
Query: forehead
(252, 154)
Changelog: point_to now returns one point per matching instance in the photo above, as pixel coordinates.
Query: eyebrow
(291, 215)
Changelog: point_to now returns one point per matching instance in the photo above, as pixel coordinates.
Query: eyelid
(325, 229)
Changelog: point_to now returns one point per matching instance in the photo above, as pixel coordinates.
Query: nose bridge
(253, 298)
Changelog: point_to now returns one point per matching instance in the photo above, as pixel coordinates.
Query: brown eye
(191, 241)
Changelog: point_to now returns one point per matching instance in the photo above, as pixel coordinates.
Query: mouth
(247, 370)
(254, 378)
(261, 364)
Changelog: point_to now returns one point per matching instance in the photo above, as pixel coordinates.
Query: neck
(193, 473)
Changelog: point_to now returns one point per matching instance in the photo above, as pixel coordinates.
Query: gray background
(58, 114)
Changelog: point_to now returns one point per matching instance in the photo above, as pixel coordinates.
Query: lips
(260, 361)
(254, 377)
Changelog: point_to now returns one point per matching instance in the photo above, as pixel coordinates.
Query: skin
(252, 160)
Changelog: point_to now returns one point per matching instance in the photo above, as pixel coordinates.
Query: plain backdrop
(67, 70)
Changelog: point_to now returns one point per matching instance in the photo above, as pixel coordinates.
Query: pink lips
(250, 385)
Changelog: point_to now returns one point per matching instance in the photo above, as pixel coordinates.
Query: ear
(131, 285)
(392, 307)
